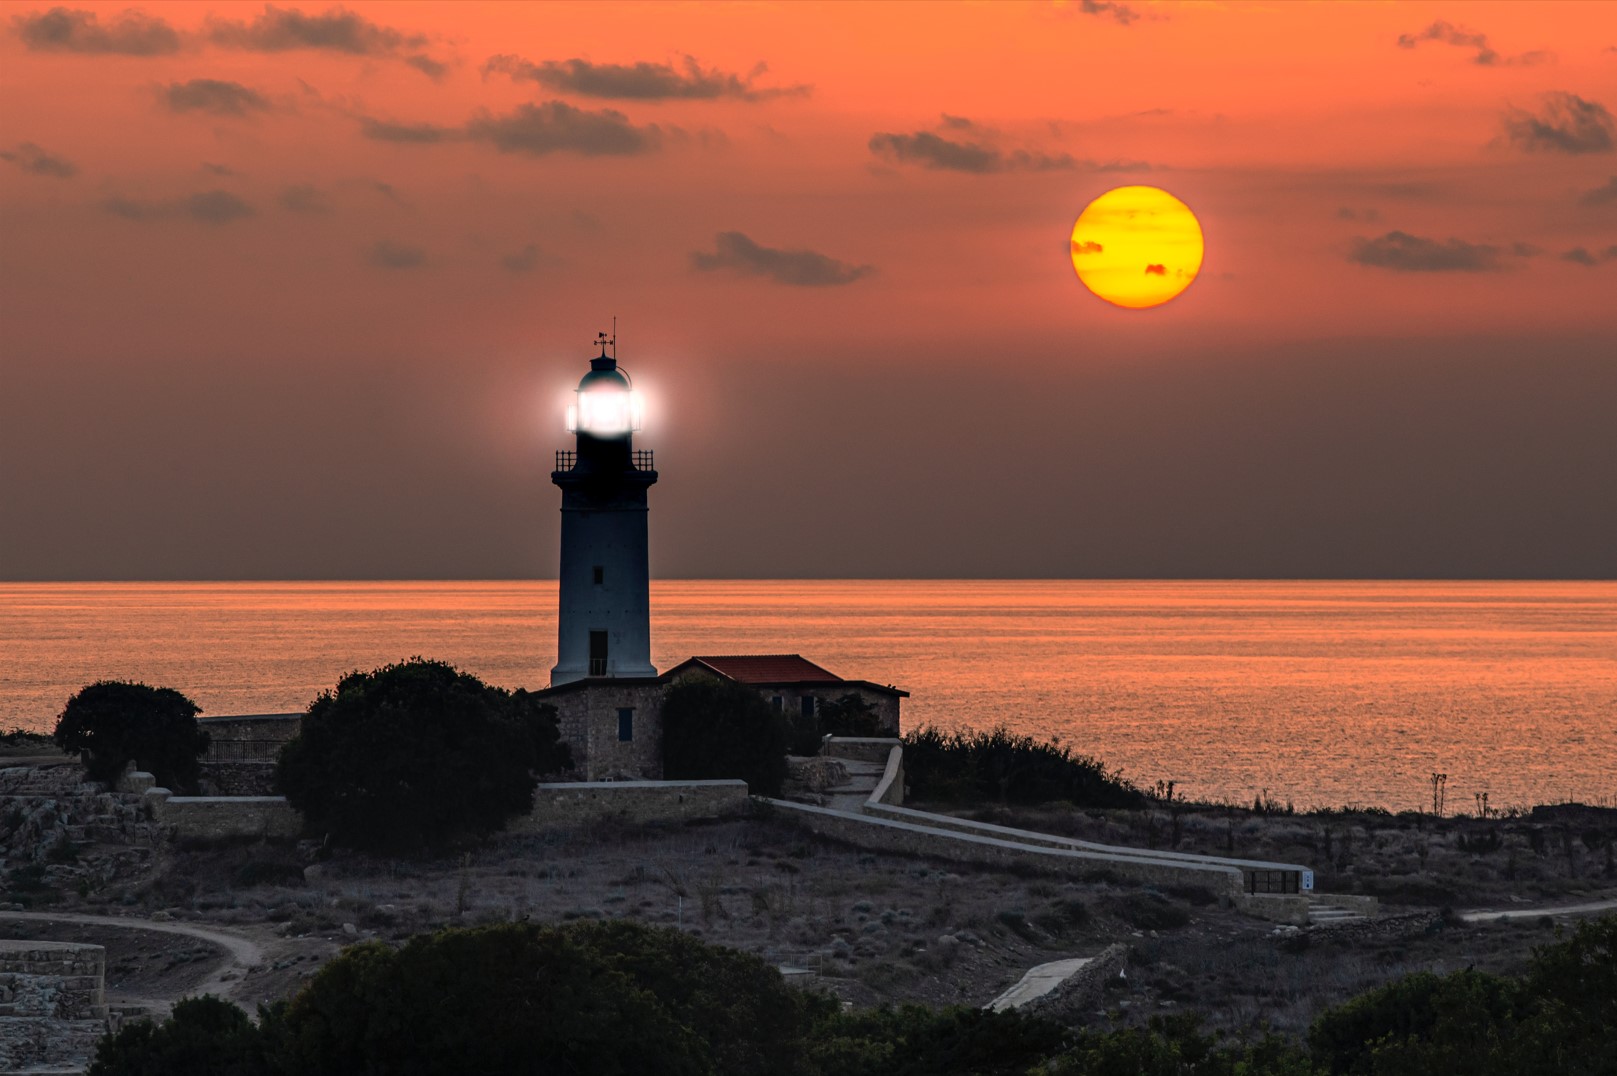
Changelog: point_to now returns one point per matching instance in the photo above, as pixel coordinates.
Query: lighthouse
(604, 609)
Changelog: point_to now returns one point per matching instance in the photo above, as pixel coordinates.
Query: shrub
(917, 1041)
(202, 1035)
(111, 723)
(1001, 765)
(417, 754)
(718, 729)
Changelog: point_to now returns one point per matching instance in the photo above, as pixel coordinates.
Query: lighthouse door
(597, 653)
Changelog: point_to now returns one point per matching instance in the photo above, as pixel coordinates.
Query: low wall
(53, 1005)
(1276, 907)
(238, 778)
(211, 818)
(861, 748)
(1353, 902)
(907, 838)
(573, 803)
(890, 789)
(1074, 997)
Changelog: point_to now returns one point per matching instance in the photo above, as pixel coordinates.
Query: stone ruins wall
(248, 737)
(588, 718)
(53, 1005)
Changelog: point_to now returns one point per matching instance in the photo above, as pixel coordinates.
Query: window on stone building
(808, 705)
(778, 703)
(625, 724)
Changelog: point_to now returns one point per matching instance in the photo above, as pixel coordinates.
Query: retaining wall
(53, 1005)
(572, 803)
(862, 748)
(1073, 997)
(907, 838)
(217, 817)
(889, 790)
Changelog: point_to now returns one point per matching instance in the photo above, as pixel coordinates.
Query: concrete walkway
(1038, 982)
(1483, 915)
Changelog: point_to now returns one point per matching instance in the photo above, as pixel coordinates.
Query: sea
(1316, 693)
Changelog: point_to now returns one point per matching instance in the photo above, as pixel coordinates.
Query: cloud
(417, 133)
(1566, 124)
(1603, 195)
(555, 126)
(337, 30)
(1156, 270)
(1458, 36)
(65, 30)
(386, 254)
(1088, 246)
(218, 169)
(1405, 253)
(428, 66)
(523, 261)
(1580, 256)
(208, 207)
(1121, 13)
(302, 198)
(799, 268)
(213, 96)
(955, 123)
(1349, 213)
(936, 152)
(35, 161)
(641, 81)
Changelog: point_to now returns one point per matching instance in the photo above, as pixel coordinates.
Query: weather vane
(605, 341)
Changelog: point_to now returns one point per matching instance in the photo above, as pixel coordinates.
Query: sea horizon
(1321, 692)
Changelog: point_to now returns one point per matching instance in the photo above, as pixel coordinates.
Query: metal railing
(566, 459)
(642, 460)
(597, 666)
(243, 750)
(1273, 881)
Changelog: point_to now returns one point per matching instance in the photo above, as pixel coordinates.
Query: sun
(1137, 247)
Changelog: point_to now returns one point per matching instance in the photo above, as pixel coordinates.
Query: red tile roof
(769, 669)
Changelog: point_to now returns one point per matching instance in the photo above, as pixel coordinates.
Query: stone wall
(248, 737)
(1286, 908)
(588, 716)
(1074, 997)
(238, 779)
(574, 803)
(211, 818)
(53, 1004)
(860, 748)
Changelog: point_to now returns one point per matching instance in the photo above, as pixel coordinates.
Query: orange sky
(209, 206)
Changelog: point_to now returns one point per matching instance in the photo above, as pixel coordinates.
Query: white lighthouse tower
(604, 626)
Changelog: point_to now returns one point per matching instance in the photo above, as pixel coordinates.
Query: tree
(111, 723)
(418, 754)
(201, 1035)
(716, 728)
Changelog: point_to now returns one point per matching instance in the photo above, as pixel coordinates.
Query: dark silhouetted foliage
(849, 715)
(1176, 1046)
(202, 1035)
(917, 1041)
(717, 728)
(1004, 766)
(111, 723)
(417, 755)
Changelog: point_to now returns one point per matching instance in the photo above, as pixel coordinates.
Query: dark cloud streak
(799, 268)
(936, 152)
(1405, 253)
(214, 207)
(556, 126)
(36, 162)
(640, 81)
(66, 30)
(1566, 124)
(213, 96)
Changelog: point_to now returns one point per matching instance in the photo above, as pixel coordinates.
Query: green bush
(111, 723)
(1001, 765)
(417, 755)
(1176, 1046)
(918, 1041)
(720, 729)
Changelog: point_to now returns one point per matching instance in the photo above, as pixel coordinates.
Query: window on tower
(600, 575)
(597, 653)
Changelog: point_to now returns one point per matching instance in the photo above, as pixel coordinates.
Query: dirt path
(244, 954)
(1485, 916)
